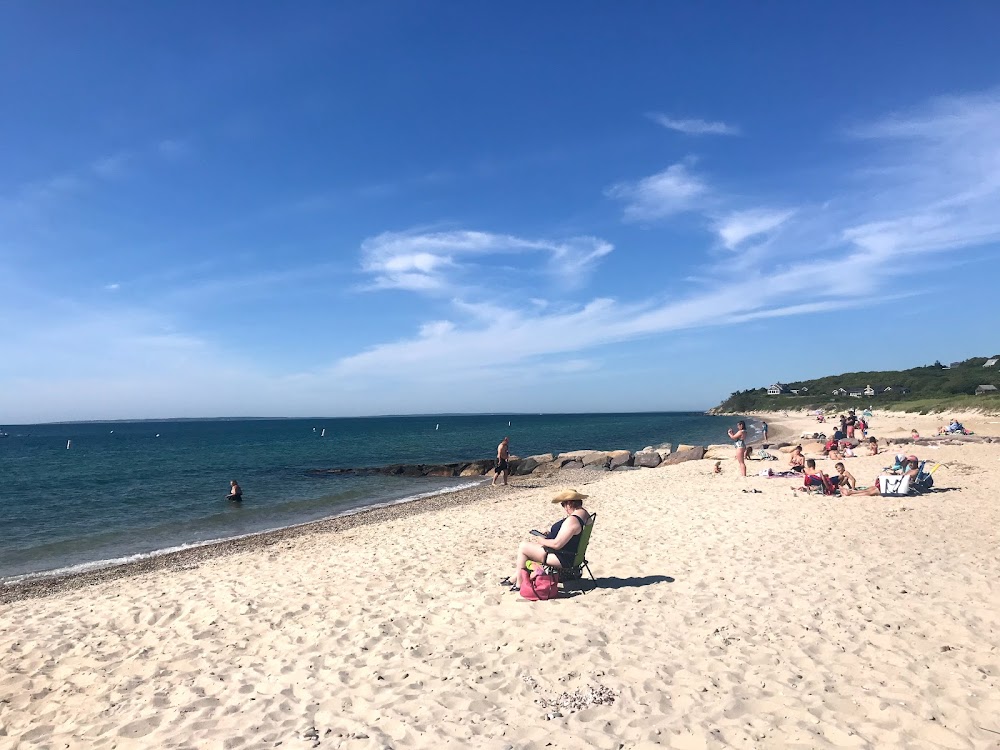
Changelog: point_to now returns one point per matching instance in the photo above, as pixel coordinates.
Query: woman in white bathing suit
(739, 439)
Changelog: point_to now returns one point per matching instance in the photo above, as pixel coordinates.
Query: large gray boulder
(547, 470)
(695, 453)
(476, 469)
(647, 459)
(719, 452)
(573, 465)
(596, 460)
(574, 455)
(529, 464)
(617, 459)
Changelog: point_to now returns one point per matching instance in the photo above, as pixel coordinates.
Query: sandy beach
(727, 612)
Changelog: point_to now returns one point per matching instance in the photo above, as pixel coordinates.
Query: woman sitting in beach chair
(561, 541)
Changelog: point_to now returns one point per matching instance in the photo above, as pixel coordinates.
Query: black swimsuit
(567, 554)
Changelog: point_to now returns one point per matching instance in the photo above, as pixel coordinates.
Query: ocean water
(129, 489)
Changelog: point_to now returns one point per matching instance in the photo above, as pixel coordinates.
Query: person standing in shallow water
(503, 461)
(739, 438)
(235, 493)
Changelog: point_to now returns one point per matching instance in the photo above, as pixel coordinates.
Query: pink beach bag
(542, 586)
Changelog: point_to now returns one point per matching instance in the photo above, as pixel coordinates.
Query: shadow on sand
(585, 585)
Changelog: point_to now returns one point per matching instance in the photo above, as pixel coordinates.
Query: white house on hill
(991, 389)
(777, 389)
(990, 362)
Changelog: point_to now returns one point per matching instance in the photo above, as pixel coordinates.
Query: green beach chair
(575, 571)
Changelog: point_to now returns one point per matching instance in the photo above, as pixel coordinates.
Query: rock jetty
(546, 464)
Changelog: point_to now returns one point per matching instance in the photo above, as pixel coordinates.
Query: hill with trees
(926, 389)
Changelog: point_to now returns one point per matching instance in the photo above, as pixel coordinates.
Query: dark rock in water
(573, 465)
(691, 454)
(647, 459)
(475, 469)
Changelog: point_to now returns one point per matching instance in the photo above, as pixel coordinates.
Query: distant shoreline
(148, 420)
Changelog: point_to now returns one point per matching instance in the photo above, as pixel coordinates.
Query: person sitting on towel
(844, 477)
(813, 477)
(797, 461)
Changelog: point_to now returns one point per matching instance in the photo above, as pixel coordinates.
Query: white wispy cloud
(694, 126)
(428, 261)
(674, 190)
(917, 186)
(933, 186)
(111, 167)
(112, 287)
(738, 226)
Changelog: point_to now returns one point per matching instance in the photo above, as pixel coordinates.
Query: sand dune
(720, 618)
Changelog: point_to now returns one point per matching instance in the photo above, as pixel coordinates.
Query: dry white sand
(720, 619)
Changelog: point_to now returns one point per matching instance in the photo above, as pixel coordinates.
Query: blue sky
(410, 207)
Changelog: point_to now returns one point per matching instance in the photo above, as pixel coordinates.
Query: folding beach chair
(575, 571)
(924, 480)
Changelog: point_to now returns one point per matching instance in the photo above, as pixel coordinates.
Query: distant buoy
(436, 426)
(314, 429)
(508, 424)
(157, 434)
(112, 432)
(68, 444)
(323, 433)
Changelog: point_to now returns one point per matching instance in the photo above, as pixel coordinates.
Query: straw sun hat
(567, 495)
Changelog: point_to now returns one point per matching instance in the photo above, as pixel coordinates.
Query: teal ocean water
(128, 489)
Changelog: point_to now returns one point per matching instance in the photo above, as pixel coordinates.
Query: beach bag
(543, 586)
(893, 485)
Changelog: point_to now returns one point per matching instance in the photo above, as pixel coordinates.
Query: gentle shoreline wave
(97, 565)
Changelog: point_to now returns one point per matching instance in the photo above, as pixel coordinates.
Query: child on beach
(872, 446)
(797, 461)
(718, 468)
(844, 477)
(914, 435)
(813, 477)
